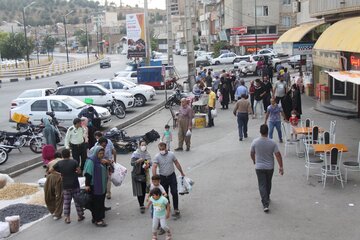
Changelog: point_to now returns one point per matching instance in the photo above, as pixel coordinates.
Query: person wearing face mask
(141, 162)
(165, 161)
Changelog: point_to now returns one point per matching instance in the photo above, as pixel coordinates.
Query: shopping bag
(184, 185)
(213, 113)
(188, 133)
(84, 199)
(119, 174)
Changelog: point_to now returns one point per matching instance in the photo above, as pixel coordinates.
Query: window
(105, 84)
(286, 2)
(63, 91)
(93, 91)
(272, 29)
(134, 75)
(77, 91)
(117, 85)
(262, 11)
(58, 106)
(40, 105)
(286, 21)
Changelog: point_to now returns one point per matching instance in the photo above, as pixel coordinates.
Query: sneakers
(56, 218)
(187, 149)
(176, 214)
(266, 209)
(178, 149)
(142, 209)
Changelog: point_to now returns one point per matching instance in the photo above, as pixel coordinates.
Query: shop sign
(238, 30)
(330, 60)
(355, 61)
(302, 48)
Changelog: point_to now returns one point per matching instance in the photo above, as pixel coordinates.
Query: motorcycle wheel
(119, 112)
(36, 145)
(168, 104)
(62, 131)
(3, 156)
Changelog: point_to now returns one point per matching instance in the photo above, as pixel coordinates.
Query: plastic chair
(325, 139)
(307, 123)
(313, 137)
(352, 165)
(288, 141)
(332, 166)
(311, 163)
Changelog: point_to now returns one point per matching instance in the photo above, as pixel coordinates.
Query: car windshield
(30, 94)
(128, 83)
(122, 74)
(73, 102)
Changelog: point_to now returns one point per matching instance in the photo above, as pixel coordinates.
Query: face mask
(143, 148)
(162, 152)
(293, 115)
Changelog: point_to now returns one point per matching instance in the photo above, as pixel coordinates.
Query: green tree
(13, 46)
(154, 43)
(220, 45)
(49, 43)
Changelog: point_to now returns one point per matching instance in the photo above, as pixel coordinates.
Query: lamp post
(26, 41)
(256, 39)
(87, 40)
(66, 40)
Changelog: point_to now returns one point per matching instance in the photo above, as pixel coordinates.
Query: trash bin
(186, 87)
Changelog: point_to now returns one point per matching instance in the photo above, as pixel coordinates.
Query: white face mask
(162, 152)
(143, 148)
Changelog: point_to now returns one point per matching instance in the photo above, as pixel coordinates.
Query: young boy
(167, 136)
(161, 213)
(155, 183)
(294, 121)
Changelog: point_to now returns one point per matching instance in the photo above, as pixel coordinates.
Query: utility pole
(170, 35)
(87, 40)
(189, 44)
(256, 40)
(147, 33)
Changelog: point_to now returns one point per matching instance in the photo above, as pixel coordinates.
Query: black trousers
(266, 101)
(264, 177)
(170, 181)
(211, 119)
(79, 153)
(141, 199)
(98, 207)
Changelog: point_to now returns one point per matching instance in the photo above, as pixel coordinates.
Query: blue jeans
(242, 120)
(277, 125)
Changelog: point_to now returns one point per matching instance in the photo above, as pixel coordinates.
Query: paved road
(225, 202)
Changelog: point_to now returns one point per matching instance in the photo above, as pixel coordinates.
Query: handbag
(57, 136)
(84, 199)
(139, 178)
(138, 175)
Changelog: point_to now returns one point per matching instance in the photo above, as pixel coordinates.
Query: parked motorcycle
(175, 98)
(116, 109)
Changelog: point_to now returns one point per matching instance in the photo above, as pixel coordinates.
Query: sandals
(168, 236)
(67, 220)
(100, 224)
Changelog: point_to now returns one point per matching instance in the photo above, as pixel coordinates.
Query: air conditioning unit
(295, 7)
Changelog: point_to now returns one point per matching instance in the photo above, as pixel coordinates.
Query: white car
(246, 63)
(31, 93)
(268, 52)
(98, 94)
(66, 108)
(183, 52)
(142, 93)
(224, 58)
(127, 75)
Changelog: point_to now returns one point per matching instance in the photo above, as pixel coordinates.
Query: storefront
(249, 43)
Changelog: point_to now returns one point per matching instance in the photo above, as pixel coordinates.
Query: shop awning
(346, 76)
(341, 36)
(297, 33)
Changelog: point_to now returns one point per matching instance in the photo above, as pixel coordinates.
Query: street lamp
(66, 41)
(26, 41)
(87, 39)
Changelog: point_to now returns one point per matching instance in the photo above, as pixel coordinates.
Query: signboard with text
(238, 30)
(135, 31)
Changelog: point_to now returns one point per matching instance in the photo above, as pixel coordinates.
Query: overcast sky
(152, 3)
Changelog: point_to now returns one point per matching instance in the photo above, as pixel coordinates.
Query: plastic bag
(184, 185)
(213, 113)
(188, 133)
(119, 174)
(84, 199)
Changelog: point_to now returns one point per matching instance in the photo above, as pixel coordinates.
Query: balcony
(320, 8)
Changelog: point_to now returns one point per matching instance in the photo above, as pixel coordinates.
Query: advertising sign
(238, 30)
(303, 48)
(135, 31)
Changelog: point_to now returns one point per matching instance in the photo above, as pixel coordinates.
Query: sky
(152, 3)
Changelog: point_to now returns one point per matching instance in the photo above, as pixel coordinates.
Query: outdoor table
(321, 148)
(300, 150)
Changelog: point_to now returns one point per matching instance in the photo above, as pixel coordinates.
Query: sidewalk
(225, 202)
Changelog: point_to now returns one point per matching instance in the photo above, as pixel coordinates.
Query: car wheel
(217, 63)
(140, 100)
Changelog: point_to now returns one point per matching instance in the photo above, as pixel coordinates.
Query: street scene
(179, 120)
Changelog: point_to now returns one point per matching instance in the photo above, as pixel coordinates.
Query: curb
(26, 166)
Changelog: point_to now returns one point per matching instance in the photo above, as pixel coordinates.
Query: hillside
(48, 12)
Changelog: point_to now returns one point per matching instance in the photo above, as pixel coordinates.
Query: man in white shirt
(74, 140)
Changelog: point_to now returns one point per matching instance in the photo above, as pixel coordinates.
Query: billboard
(135, 31)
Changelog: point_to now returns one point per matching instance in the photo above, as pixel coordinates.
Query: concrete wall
(319, 8)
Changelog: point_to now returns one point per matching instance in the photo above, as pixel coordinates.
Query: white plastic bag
(42, 182)
(188, 133)
(4, 230)
(4, 180)
(119, 174)
(213, 113)
(184, 185)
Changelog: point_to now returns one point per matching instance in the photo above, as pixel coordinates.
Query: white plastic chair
(307, 123)
(352, 165)
(325, 139)
(312, 137)
(311, 163)
(332, 166)
(288, 141)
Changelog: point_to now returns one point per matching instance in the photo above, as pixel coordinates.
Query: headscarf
(97, 172)
(140, 154)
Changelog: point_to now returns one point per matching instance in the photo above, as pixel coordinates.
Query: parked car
(224, 58)
(183, 52)
(294, 61)
(105, 63)
(31, 93)
(127, 75)
(99, 95)
(222, 51)
(66, 108)
(202, 60)
(248, 62)
(142, 93)
(268, 52)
